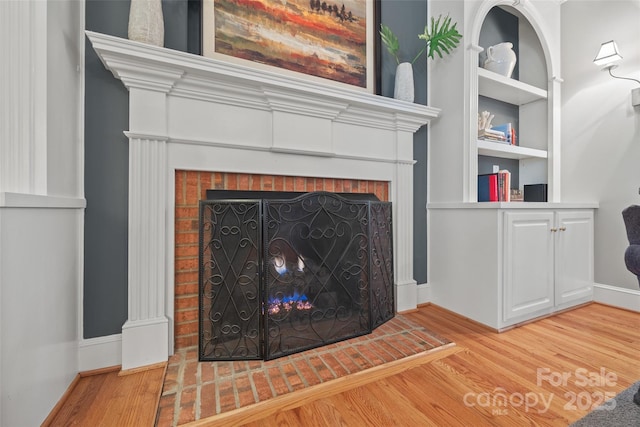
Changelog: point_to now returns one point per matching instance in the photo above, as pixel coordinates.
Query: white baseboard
(628, 299)
(424, 293)
(101, 352)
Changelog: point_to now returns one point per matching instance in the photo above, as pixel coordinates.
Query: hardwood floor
(110, 398)
(594, 347)
(547, 373)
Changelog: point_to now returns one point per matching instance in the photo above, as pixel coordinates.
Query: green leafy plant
(441, 38)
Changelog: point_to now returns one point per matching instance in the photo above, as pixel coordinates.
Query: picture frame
(289, 36)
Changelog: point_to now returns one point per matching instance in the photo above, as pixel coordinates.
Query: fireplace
(285, 272)
(189, 113)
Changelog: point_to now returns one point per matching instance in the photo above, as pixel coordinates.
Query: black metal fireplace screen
(283, 275)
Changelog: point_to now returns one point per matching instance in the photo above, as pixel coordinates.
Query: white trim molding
(187, 112)
(629, 299)
(101, 352)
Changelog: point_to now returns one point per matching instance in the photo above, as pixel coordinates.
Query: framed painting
(336, 41)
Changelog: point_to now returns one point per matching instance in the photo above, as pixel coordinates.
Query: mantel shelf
(496, 149)
(176, 73)
(496, 86)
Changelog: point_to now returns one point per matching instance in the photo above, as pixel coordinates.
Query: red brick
(187, 328)
(333, 363)
(186, 238)
(187, 406)
(306, 371)
(255, 182)
(186, 302)
(262, 386)
(208, 401)
(186, 315)
(166, 409)
(278, 183)
(227, 395)
(244, 390)
(321, 369)
(240, 366)
(187, 213)
(329, 185)
(231, 181)
(299, 184)
(218, 181)
(186, 342)
(180, 187)
(204, 184)
(187, 264)
(255, 364)
(171, 379)
(289, 184)
(292, 376)
(192, 195)
(184, 278)
(243, 181)
(186, 251)
(277, 380)
(224, 369)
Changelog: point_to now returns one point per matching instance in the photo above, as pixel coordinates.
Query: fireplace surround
(189, 113)
(283, 272)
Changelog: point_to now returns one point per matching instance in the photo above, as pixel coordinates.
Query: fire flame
(288, 303)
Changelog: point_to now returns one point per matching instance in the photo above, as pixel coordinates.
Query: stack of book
(495, 187)
(505, 134)
(492, 135)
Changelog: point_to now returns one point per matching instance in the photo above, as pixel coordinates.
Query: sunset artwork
(321, 38)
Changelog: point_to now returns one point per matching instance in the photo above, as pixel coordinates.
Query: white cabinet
(501, 264)
(528, 264)
(548, 262)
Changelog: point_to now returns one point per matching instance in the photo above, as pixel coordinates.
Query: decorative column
(402, 196)
(23, 103)
(145, 334)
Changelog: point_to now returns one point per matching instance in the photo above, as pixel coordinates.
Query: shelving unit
(501, 88)
(505, 151)
(500, 263)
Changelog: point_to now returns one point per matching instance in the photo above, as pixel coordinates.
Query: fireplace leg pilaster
(145, 333)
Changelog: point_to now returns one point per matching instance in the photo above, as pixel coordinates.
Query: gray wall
(407, 19)
(106, 152)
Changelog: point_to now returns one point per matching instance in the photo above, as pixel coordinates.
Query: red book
(493, 187)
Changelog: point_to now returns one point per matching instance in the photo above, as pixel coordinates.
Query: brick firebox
(191, 186)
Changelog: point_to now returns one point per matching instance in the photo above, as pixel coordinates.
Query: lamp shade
(607, 54)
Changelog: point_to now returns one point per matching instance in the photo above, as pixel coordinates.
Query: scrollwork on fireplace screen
(320, 263)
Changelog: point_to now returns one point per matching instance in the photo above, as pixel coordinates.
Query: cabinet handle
(563, 228)
(553, 229)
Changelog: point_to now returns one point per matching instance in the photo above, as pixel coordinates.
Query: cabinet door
(574, 257)
(528, 264)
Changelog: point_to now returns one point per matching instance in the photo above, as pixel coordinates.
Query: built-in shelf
(497, 86)
(497, 149)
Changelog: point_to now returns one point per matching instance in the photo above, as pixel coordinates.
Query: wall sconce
(607, 55)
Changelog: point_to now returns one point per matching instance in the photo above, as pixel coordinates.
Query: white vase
(146, 23)
(403, 89)
(501, 59)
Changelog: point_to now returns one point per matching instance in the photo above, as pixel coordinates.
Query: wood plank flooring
(111, 399)
(465, 388)
(546, 373)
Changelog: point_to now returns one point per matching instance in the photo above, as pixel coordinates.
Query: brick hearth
(191, 187)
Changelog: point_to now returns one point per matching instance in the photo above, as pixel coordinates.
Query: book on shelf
(494, 187)
(492, 135)
(508, 130)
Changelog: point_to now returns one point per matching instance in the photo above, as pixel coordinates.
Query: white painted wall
(38, 308)
(41, 205)
(600, 128)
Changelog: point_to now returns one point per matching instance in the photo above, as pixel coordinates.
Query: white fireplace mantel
(187, 112)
